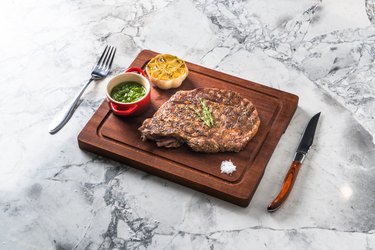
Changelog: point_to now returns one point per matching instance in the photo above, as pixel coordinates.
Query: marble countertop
(55, 196)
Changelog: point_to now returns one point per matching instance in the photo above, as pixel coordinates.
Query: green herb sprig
(206, 114)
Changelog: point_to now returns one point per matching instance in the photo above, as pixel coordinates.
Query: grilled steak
(179, 120)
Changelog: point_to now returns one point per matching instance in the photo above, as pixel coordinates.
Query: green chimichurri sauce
(128, 92)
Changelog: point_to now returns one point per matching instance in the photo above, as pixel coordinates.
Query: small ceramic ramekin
(132, 108)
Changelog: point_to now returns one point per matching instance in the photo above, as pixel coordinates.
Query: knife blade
(303, 148)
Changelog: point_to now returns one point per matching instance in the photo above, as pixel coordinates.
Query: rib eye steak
(207, 119)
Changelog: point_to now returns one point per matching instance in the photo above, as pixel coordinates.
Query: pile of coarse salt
(227, 167)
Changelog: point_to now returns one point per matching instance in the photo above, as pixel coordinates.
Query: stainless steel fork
(100, 71)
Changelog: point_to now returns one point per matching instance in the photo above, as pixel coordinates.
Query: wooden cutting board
(118, 138)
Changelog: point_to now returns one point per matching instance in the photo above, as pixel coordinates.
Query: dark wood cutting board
(118, 138)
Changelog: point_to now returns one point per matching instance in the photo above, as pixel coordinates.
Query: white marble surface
(55, 196)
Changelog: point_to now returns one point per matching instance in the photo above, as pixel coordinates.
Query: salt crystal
(227, 167)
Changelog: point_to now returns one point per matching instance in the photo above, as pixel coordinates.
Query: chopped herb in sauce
(128, 92)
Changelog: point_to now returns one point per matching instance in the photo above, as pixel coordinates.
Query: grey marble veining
(55, 196)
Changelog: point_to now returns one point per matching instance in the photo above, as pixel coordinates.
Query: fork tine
(101, 57)
(105, 63)
(110, 58)
(113, 56)
(102, 65)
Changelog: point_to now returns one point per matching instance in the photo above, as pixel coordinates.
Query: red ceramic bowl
(131, 108)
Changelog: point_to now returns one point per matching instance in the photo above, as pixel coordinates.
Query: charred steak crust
(236, 121)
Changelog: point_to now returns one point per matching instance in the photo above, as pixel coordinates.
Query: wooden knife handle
(286, 188)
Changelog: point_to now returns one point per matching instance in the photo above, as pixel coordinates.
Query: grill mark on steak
(236, 121)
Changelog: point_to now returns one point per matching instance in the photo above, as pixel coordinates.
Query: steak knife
(303, 148)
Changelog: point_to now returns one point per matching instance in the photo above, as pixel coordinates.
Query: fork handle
(64, 115)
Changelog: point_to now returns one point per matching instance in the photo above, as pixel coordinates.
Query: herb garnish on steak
(235, 121)
(205, 115)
